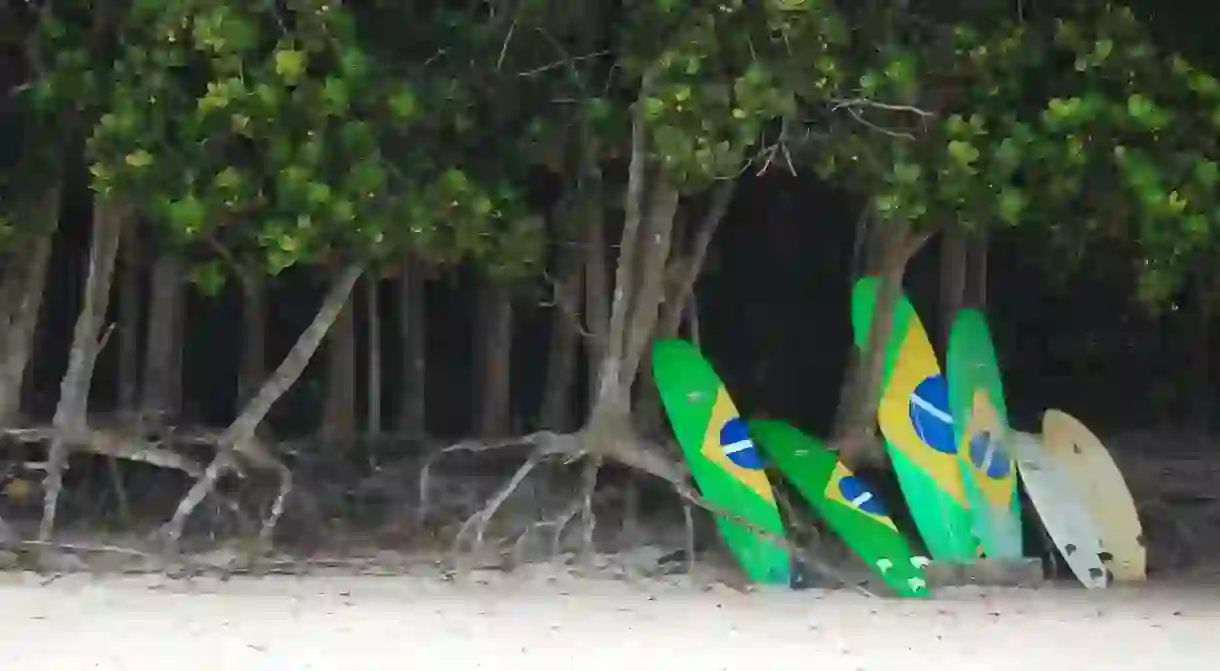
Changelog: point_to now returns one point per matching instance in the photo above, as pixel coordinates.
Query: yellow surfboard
(1103, 490)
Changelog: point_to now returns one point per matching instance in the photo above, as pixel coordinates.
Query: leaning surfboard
(917, 425)
(847, 504)
(976, 397)
(1062, 511)
(723, 459)
(1093, 472)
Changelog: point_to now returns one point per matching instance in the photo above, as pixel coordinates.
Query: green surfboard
(915, 418)
(846, 503)
(976, 396)
(723, 460)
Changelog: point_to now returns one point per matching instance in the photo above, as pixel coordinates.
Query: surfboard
(1091, 469)
(1062, 511)
(976, 397)
(851, 508)
(723, 459)
(917, 425)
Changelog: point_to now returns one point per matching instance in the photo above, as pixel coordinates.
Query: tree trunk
(129, 323)
(253, 370)
(162, 395)
(411, 324)
(493, 352)
(639, 287)
(372, 304)
(976, 279)
(597, 294)
(565, 336)
(954, 248)
(241, 432)
(28, 277)
(1201, 394)
(71, 421)
(339, 416)
(680, 301)
(855, 431)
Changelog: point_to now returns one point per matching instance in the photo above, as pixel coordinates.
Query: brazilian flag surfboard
(847, 504)
(917, 424)
(723, 459)
(976, 395)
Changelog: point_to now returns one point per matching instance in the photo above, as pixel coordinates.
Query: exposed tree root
(544, 442)
(238, 442)
(478, 521)
(109, 442)
(559, 524)
(548, 444)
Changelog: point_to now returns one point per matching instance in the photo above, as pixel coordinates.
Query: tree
(277, 136)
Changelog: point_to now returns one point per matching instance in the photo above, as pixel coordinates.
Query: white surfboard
(1088, 463)
(1062, 510)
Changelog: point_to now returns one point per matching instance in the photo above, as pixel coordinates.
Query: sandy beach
(507, 622)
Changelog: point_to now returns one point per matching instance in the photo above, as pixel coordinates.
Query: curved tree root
(559, 524)
(548, 444)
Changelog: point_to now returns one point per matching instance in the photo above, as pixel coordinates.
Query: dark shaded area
(774, 304)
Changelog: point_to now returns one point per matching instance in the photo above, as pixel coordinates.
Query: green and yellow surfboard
(915, 419)
(847, 504)
(976, 395)
(724, 462)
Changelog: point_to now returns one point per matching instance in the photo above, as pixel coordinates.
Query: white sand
(366, 623)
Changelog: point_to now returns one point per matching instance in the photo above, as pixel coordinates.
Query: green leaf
(290, 64)
(403, 104)
(1011, 206)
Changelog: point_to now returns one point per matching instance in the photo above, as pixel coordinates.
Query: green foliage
(292, 133)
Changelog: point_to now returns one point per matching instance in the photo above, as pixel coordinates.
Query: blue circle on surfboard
(1000, 465)
(738, 446)
(854, 490)
(929, 410)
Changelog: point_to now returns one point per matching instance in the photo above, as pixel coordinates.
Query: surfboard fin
(920, 562)
(884, 565)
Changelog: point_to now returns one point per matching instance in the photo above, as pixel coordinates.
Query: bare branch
(857, 103)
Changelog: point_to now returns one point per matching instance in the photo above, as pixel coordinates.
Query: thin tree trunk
(611, 395)
(565, 334)
(372, 304)
(129, 351)
(339, 416)
(639, 287)
(493, 352)
(692, 268)
(254, 337)
(241, 432)
(692, 320)
(976, 280)
(855, 433)
(162, 392)
(1201, 393)
(953, 260)
(28, 277)
(411, 416)
(71, 420)
(129, 323)
(597, 294)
